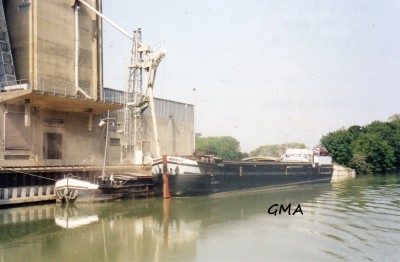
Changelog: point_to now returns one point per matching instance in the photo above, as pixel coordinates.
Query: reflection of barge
(208, 175)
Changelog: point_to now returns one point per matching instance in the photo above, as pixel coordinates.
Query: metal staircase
(7, 71)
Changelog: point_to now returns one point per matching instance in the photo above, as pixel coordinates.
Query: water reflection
(350, 219)
(146, 229)
(68, 216)
(361, 217)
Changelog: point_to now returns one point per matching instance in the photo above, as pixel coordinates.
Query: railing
(56, 87)
(22, 84)
(159, 48)
(113, 96)
(59, 88)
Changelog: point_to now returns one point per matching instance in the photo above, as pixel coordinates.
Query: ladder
(7, 70)
(143, 61)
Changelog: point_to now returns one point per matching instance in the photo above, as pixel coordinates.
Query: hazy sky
(267, 72)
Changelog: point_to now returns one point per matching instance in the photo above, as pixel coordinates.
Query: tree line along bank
(374, 148)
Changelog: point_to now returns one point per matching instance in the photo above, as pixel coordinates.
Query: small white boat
(68, 190)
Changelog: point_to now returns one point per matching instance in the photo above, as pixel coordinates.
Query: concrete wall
(341, 173)
(78, 146)
(42, 36)
(175, 123)
(176, 137)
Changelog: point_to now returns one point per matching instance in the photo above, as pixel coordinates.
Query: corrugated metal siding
(112, 95)
(18, 136)
(166, 109)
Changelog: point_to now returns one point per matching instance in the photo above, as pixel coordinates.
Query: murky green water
(353, 220)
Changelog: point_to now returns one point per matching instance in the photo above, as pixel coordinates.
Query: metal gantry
(144, 61)
(134, 102)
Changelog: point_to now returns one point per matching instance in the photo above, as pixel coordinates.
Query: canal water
(351, 220)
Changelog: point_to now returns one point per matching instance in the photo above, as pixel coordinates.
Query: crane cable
(30, 174)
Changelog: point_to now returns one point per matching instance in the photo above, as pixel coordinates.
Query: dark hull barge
(191, 177)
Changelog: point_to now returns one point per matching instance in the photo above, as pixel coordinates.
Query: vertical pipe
(194, 122)
(76, 47)
(134, 131)
(166, 193)
(90, 124)
(100, 49)
(103, 174)
(4, 126)
(153, 111)
(94, 48)
(27, 112)
(33, 38)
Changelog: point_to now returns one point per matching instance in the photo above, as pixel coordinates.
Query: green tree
(389, 132)
(377, 154)
(395, 117)
(338, 144)
(374, 148)
(359, 163)
(226, 147)
(355, 131)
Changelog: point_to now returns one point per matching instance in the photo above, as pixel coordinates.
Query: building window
(24, 5)
(17, 135)
(114, 141)
(52, 146)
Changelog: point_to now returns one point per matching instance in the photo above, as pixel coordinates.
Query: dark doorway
(54, 146)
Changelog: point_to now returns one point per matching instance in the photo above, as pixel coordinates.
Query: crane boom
(106, 19)
(147, 61)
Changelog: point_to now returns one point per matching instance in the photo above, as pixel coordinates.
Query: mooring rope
(30, 174)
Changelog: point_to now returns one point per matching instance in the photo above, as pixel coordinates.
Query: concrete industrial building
(50, 106)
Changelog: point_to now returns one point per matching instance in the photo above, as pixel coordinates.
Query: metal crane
(143, 58)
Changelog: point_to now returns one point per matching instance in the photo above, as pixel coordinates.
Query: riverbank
(341, 173)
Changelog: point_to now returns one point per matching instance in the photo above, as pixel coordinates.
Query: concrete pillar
(40, 193)
(32, 192)
(27, 112)
(90, 122)
(23, 192)
(6, 193)
(14, 192)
